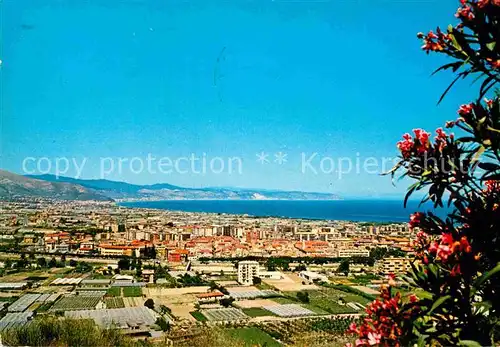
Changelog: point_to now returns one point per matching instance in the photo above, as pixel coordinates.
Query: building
(270, 275)
(247, 270)
(131, 320)
(313, 276)
(394, 265)
(148, 275)
(116, 250)
(352, 252)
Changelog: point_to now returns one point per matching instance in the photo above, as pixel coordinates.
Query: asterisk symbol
(262, 157)
(280, 158)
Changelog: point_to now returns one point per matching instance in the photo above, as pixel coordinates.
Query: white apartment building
(394, 265)
(353, 252)
(247, 270)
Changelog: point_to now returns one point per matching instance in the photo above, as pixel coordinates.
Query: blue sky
(93, 79)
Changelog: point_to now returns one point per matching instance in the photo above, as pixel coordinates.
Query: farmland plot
(75, 303)
(224, 314)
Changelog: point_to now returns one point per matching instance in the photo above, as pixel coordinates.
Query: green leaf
(455, 66)
(489, 166)
(483, 306)
(493, 129)
(491, 45)
(486, 276)
(411, 189)
(439, 302)
(486, 85)
(422, 294)
(469, 343)
(431, 330)
(421, 341)
(449, 87)
(478, 153)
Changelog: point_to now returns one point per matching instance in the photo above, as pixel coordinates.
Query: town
(160, 275)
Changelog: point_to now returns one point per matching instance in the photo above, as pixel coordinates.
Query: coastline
(358, 211)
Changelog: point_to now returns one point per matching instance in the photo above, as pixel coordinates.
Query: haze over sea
(350, 210)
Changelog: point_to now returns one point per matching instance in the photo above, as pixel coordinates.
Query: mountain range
(17, 186)
(67, 188)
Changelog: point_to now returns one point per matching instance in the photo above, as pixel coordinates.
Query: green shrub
(51, 331)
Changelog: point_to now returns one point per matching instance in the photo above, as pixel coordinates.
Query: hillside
(165, 191)
(16, 186)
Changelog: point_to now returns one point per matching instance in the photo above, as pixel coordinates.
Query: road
(103, 260)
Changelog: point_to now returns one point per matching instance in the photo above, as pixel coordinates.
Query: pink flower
(434, 41)
(373, 339)
(450, 124)
(495, 64)
(392, 279)
(465, 110)
(441, 134)
(489, 102)
(416, 219)
(446, 238)
(465, 13)
(433, 247)
(406, 145)
(423, 139)
(465, 245)
(444, 252)
(455, 271)
(360, 342)
(492, 186)
(421, 135)
(482, 3)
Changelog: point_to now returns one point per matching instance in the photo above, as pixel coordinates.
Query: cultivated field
(224, 314)
(75, 302)
(133, 301)
(180, 300)
(290, 282)
(114, 303)
(255, 303)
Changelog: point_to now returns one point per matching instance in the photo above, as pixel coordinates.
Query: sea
(345, 210)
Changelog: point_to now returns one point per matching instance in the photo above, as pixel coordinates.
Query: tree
(344, 267)
(213, 286)
(270, 265)
(149, 303)
(124, 264)
(138, 269)
(454, 276)
(41, 262)
(303, 297)
(256, 280)
(73, 263)
(226, 302)
(300, 267)
(52, 262)
(83, 267)
(163, 324)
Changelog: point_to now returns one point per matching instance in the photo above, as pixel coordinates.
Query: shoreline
(380, 220)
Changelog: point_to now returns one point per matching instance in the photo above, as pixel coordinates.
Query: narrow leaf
(439, 302)
(469, 343)
(486, 276)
